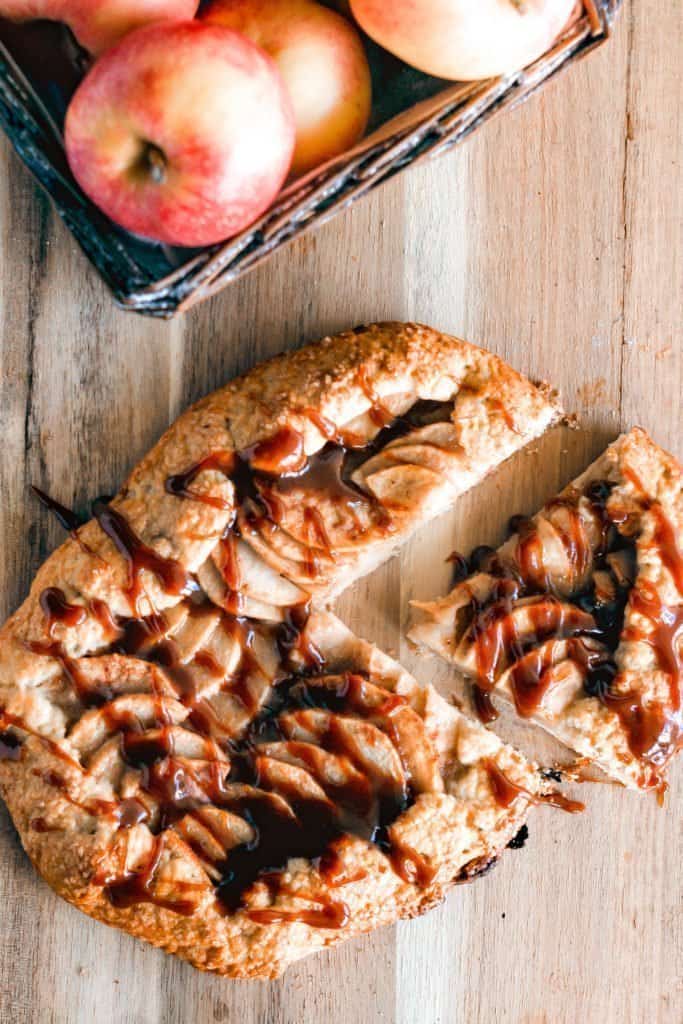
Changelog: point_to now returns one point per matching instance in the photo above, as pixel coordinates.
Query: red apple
(98, 24)
(182, 133)
(323, 63)
(464, 39)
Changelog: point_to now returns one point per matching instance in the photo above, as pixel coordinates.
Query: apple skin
(183, 133)
(98, 24)
(464, 40)
(323, 63)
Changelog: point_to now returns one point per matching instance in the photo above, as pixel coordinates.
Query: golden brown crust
(632, 729)
(69, 693)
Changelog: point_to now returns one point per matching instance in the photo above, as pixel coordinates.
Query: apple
(182, 133)
(464, 39)
(98, 24)
(323, 63)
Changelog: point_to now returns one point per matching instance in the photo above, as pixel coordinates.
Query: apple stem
(155, 162)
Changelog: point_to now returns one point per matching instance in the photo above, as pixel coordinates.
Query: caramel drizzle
(655, 730)
(326, 911)
(57, 610)
(279, 455)
(496, 640)
(380, 415)
(505, 792)
(67, 519)
(139, 886)
(229, 568)
(509, 419)
(410, 865)
(139, 557)
(179, 485)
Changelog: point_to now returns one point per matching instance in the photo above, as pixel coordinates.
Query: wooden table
(554, 239)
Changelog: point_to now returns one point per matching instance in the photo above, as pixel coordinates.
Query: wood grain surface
(553, 238)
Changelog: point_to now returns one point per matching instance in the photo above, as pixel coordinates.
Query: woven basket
(415, 117)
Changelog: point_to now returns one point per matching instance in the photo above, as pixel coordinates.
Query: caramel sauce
(132, 812)
(483, 705)
(95, 807)
(229, 568)
(530, 677)
(505, 792)
(325, 474)
(498, 644)
(8, 719)
(665, 541)
(332, 869)
(655, 731)
(139, 887)
(509, 419)
(378, 413)
(328, 913)
(205, 659)
(57, 610)
(279, 455)
(529, 556)
(331, 432)
(180, 485)
(575, 541)
(139, 557)
(67, 519)
(81, 686)
(317, 535)
(101, 612)
(410, 865)
(292, 637)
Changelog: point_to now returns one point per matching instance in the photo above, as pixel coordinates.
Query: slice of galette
(242, 797)
(578, 618)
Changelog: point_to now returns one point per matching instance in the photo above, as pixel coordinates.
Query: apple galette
(577, 619)
(189, 747)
